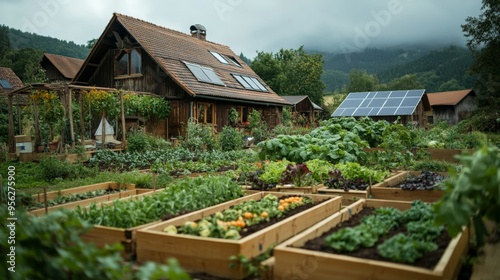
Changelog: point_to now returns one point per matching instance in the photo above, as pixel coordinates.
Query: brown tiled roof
(68, 66)
(15, 82)
(11, 77)
(451, 98)
(170, 49)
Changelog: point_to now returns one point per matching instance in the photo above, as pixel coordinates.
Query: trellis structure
(66, 93)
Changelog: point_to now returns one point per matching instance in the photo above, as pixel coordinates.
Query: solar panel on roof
(353, 103)
(338, 112)
(204, 74)
(411, 101)
(358, 95)
(397, 94)
(5, 84)
(362, 112)
(383, 103)
(388, 111)
(405, 110)
(382, 94)
(348, 112)
(415, 93)
(377, 102)
(393, 102)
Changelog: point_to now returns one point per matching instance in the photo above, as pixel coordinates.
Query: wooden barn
(60, 68)
(410, 106)
(452, 106)
(200, 79)
(303, 105)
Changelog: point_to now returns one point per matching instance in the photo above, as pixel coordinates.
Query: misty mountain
(433, 67)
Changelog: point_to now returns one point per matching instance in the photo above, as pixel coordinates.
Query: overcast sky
(258, 25)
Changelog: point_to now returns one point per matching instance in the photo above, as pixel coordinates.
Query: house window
(243, 112)
(226, 59)
(129, 63)
(205, 113)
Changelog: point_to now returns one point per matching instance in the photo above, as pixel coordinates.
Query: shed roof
(172, 50)
(295, 99)
(67, 66)
(450, 98)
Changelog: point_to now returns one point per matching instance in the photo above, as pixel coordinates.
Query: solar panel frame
(382, 103)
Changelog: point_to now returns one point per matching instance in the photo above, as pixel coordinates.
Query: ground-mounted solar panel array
(381, 103)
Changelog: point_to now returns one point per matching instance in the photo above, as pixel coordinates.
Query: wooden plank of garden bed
(211, 255)
(85, 202)
(102, 235)
(293, 262)
(347, 197)
(389, 190)
(100, 186)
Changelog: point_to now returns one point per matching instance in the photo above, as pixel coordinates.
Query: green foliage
(287, 117)
(319, 169)
(292, 72)
(231, 139)
(359, 81)
(472, 194)
(182, 195)
(482, 33)
(50, 247)
(146, 106)
(328, 142)
(141, 142)
(233, 117)
(353, 171)
(198, 138)
(53, 168)
(272, 171)
(405, 249)
(257, 126)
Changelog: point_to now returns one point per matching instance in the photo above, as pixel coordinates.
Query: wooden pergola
(66, 93)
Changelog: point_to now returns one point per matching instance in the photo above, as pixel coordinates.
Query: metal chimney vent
(199, 30)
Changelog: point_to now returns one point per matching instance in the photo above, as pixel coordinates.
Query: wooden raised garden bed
(211, 255)
(294, 262)
(389, 189)
(104, 235)
(351, 196)
(101, 186)
(293, 189)
(87, 202)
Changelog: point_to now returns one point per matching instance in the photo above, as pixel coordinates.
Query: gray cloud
(258, 25)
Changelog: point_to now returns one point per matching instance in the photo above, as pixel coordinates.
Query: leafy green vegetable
(405, 249)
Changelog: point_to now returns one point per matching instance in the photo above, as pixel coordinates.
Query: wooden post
(124, 137)
(12, 140)
(38, 134)
(82, 120)
(70, 116)
(103, 136)
(45, 199)
(19, 119)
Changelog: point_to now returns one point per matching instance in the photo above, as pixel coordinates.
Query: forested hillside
(444, 68)
(22, 40)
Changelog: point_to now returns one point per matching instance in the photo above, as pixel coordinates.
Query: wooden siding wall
(305, 107)
(53, 74)
(153, 79)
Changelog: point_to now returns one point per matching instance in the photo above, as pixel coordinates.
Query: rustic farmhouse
(200, 79)
(10, 82)
(60, 68)
(410, 106)
(452, 106)
(303, 105)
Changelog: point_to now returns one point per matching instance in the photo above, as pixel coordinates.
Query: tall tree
(359, 81)
(483, 39)
(292, 72)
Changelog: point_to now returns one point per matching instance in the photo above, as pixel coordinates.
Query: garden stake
(45, 198)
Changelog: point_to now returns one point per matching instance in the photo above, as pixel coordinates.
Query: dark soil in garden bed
(426, 180)
(428, 260)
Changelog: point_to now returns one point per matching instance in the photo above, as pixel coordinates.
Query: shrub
(231, 139)
(198, 137)
(53, 168)
(137, 142)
